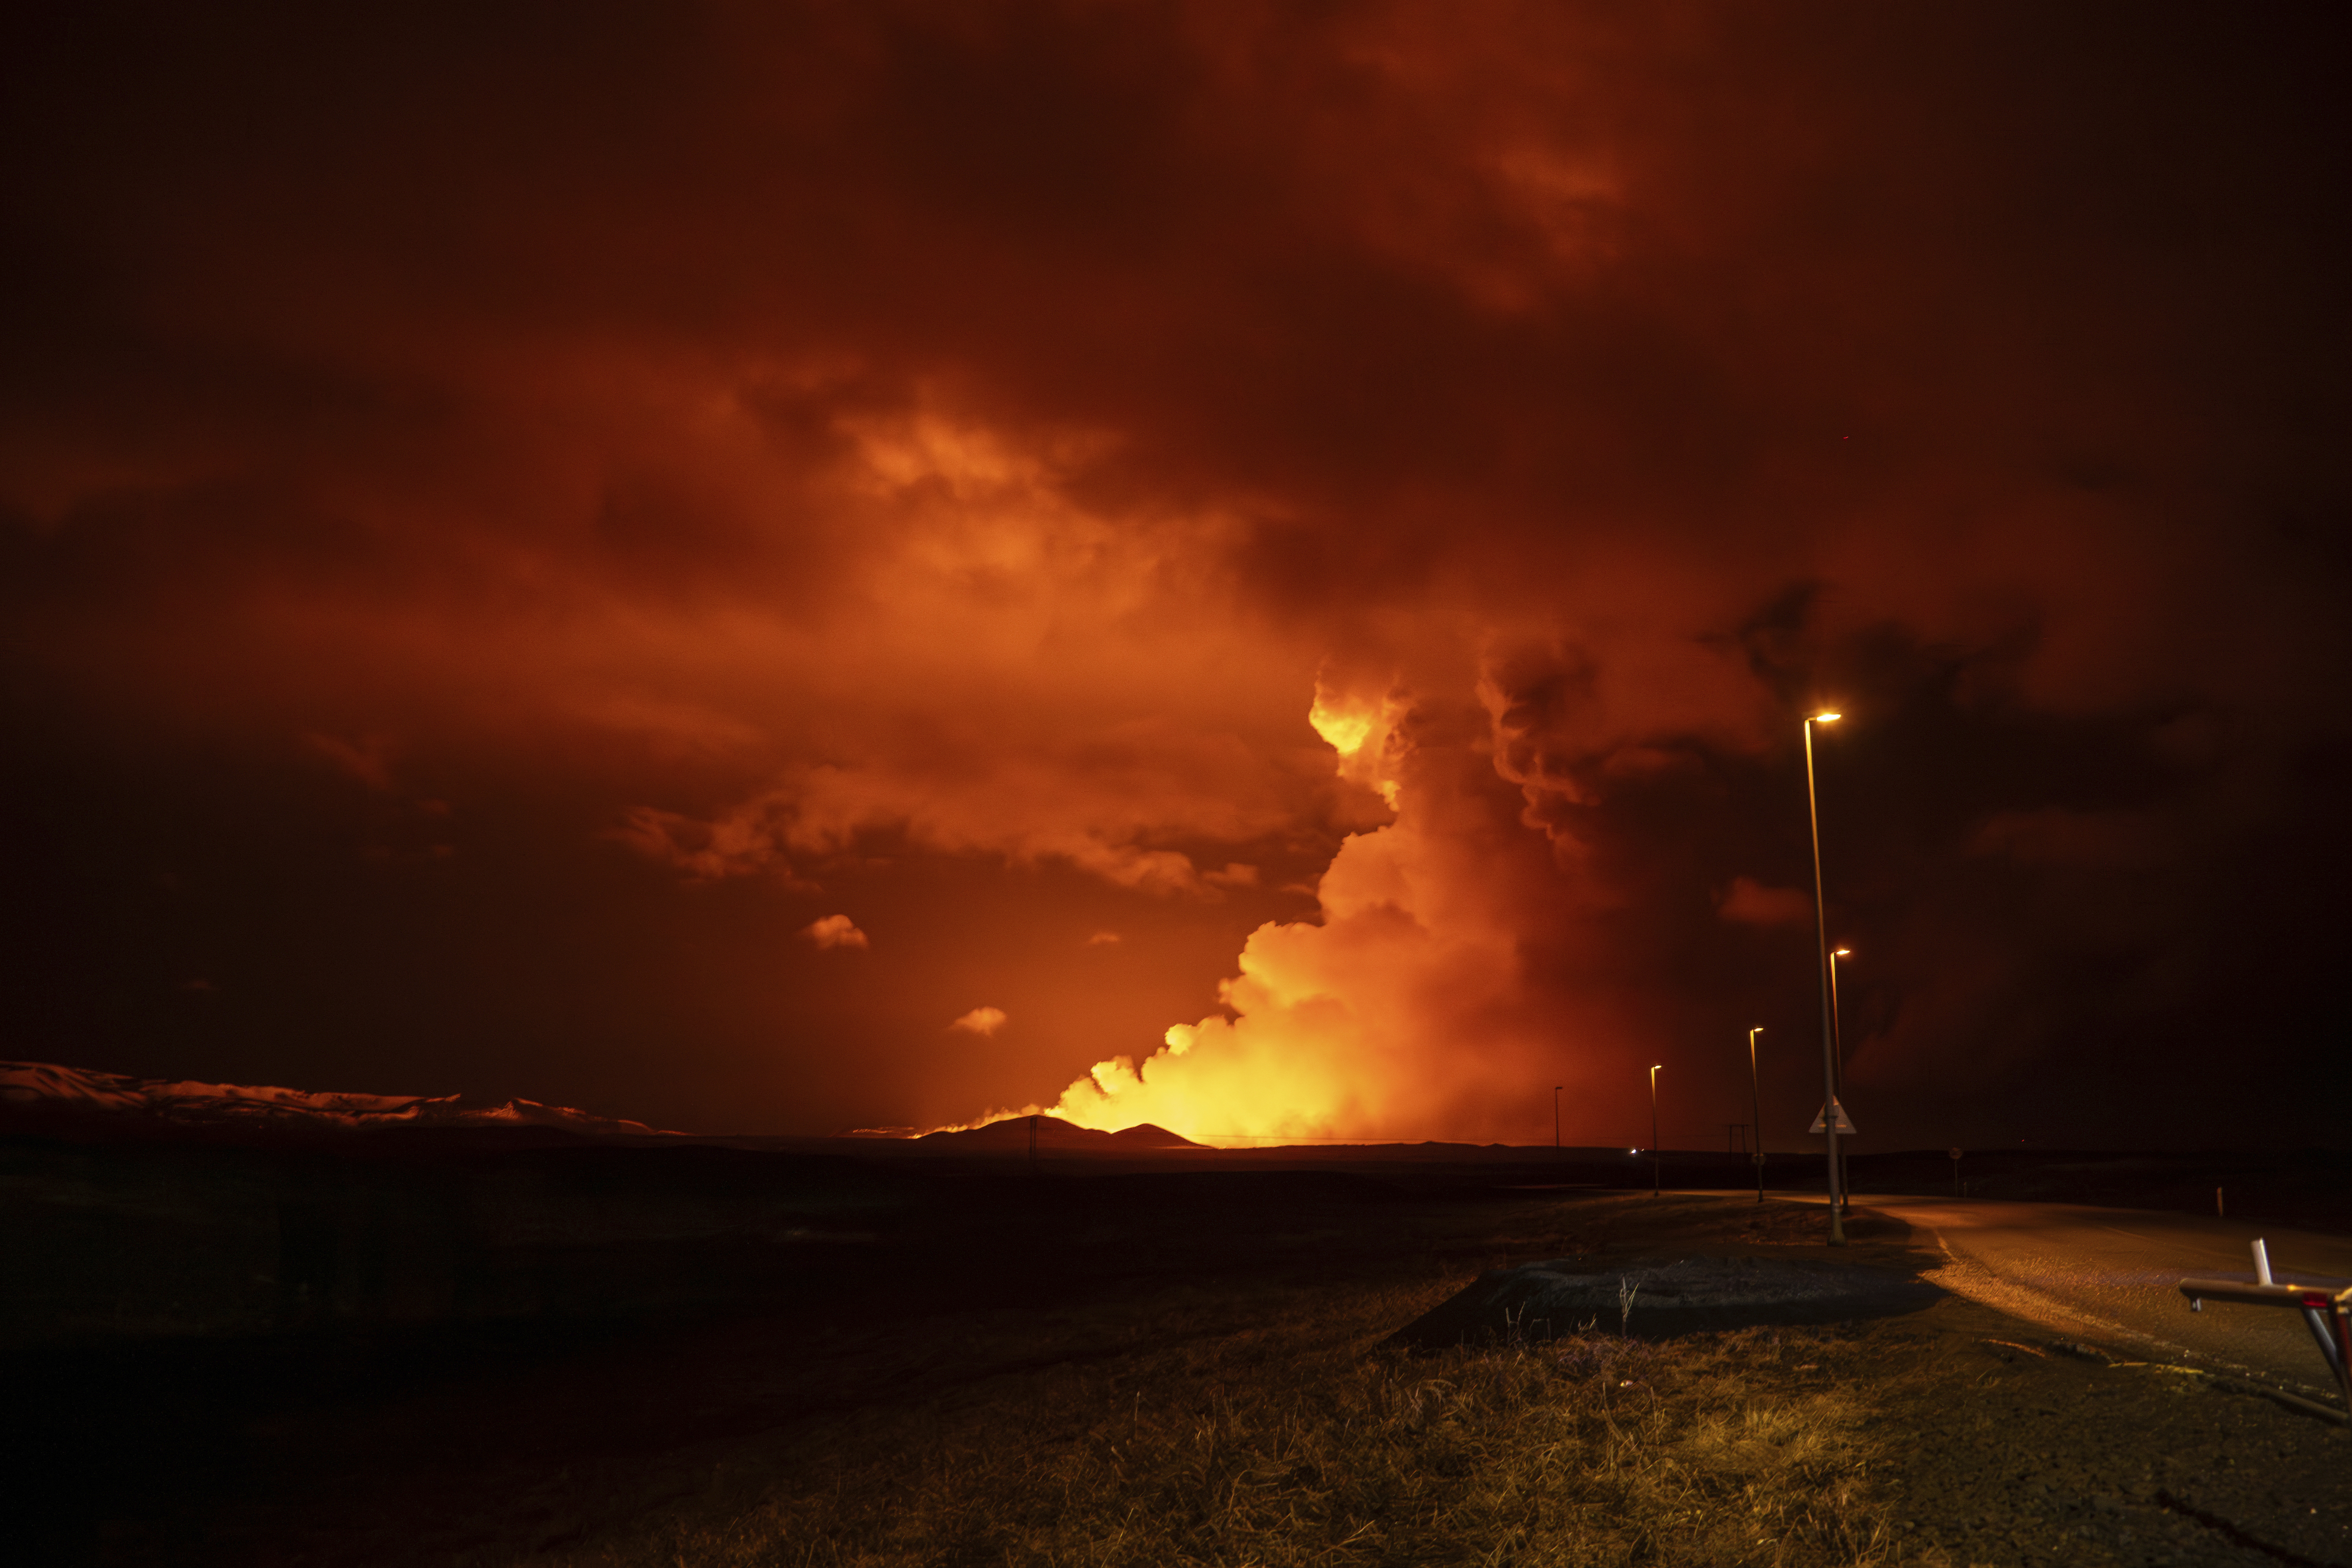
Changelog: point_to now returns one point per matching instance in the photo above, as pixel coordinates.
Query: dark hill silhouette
(47, 1095)
(1010, 1136)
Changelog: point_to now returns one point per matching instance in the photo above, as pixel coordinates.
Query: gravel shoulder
(2011, 1446)
(2014, 1443)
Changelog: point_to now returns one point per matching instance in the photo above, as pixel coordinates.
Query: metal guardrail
(2327, 1313)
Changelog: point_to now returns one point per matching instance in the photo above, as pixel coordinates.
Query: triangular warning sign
(1832, 1108)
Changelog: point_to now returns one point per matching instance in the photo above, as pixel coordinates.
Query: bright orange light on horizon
(1326, 1028)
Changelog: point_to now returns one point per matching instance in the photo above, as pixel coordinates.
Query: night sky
(775, 568)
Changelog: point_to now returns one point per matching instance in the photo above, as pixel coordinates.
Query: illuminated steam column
(1829, 1040)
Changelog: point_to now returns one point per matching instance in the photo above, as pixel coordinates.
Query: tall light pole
(1837, 1024)
(1756, 1094)
(1829, 1042)
(1555, 1118)
(1837, 1038)
(1657, 1182)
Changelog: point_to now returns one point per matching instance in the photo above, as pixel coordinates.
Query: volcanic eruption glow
(1334, 1029)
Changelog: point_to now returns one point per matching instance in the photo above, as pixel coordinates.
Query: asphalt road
(2112, 1275)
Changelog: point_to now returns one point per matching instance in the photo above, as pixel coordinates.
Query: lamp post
(1837, 1023)
(1837, 1039)
(1555, 1118)
(1829, 1042)
(1756, 1096)
(1657, 1182)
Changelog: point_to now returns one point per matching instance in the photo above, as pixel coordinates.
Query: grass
(1093, 1371)
(1309, 1441)
(1214, 1383)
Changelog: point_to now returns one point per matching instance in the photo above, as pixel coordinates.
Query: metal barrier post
(2327, 1314)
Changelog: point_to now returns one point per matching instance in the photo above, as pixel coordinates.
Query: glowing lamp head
(1841, 953)
(1827, 718)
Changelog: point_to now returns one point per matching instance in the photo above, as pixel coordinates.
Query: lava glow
(1329, 1027)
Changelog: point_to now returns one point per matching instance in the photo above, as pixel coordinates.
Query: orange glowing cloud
(835, 931)
(1363, 731)
(1026, 472)
(1007, 673)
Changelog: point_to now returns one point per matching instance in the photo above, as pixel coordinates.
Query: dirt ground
(1196, 1376)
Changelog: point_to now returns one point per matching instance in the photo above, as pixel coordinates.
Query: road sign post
(1822, 1120)
(1832, 1121)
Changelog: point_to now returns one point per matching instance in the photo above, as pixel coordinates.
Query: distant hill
(45, 1090)
(1011, 1136)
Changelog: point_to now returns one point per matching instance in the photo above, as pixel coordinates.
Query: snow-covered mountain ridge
(49, 1086)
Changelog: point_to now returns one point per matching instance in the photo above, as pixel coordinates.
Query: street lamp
(1837, 1037)
(1555, 1118)
(1829, 1041)
(1657, 1183)
(1756, 1096)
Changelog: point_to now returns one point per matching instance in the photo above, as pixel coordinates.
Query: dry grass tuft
(1308, 1442)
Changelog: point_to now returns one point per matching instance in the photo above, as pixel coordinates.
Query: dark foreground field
(487, 1355)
